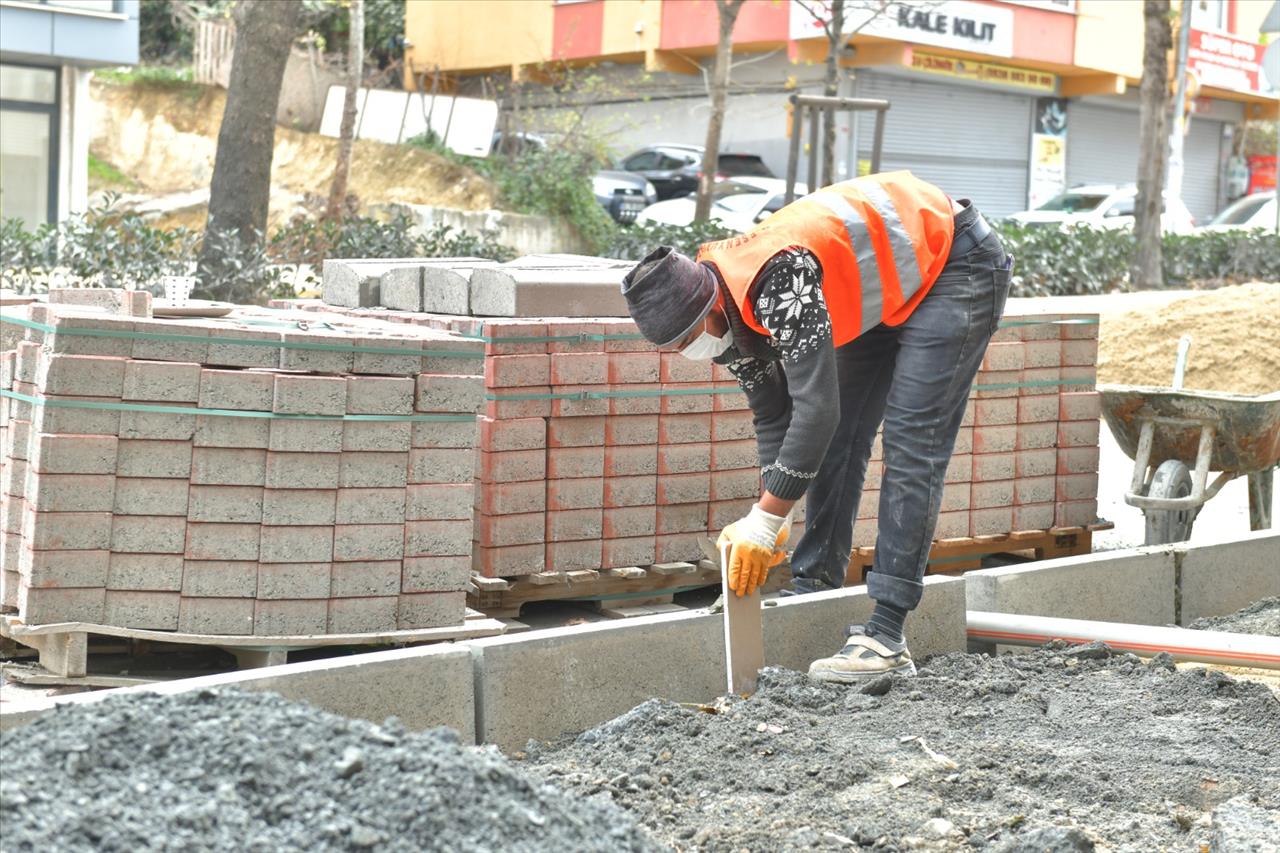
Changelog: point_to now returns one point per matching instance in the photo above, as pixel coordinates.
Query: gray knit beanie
(668, 294)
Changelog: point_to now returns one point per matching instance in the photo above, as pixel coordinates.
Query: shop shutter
(1102, 148)
(970, 141)
(1202, 150)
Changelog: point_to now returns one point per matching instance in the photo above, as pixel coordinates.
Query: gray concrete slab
(1135, 586)
(799, 630)
(1222, 577)
(550, 683)
(507, 291)
(425, 686)
(546, 684)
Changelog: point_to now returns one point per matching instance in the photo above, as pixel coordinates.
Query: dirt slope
(165, 137)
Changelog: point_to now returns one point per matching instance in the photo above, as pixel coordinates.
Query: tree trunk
(347, 131)
(1153, 140)
(241, 186)
(831, 88)
(728, 11)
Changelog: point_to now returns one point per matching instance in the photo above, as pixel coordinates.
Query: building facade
(48, 50)
(1003, 102)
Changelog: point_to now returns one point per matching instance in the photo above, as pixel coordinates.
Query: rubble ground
(1056, 749)
(1261, 617)
(232, 770)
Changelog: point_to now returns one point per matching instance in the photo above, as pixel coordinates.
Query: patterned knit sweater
(790, 376)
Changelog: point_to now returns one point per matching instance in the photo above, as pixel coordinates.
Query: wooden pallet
(64, 647)
(966, 553)
(612, 589)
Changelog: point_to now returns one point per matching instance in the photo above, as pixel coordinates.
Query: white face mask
(707, 346)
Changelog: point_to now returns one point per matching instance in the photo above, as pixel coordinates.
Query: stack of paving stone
(561, 285)
(596, 451)
(1026, 457)
(236, 476)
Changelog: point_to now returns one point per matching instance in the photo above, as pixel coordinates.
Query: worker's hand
(754, 546)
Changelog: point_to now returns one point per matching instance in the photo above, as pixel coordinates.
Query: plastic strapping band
(244, 342)
(684, 392)
(233, 413)
(1035, 383)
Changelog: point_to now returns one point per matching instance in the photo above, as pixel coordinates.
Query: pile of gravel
(231, 770)
(1056, 749)
(1262, 617)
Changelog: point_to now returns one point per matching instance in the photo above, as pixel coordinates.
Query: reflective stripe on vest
(869, 287)
(882, 240)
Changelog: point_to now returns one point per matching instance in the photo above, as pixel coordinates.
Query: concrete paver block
(137, 609)
(299, 506)
(63, 569)
(225, 352)
(430, 610)
(161, 382)
(145, 534)
(155, 572)
(277, 581)
(351, 285)
(216, 616)
(219, 578)
(367, 579)
(74, 454)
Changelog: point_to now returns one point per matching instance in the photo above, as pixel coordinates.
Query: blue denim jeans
(916, 379)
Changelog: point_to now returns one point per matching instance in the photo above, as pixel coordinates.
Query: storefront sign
(957, 24)
(1048, 151)
(984, 72)
(1225, 61)
(1068, 6)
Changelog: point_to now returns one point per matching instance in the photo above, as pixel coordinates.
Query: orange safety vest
(882, 240)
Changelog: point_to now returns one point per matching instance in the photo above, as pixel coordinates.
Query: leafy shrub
(310, 241)
(633, 242)
(105, 248)
(1081, 260)
(101, 248)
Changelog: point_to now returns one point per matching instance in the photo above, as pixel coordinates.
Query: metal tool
(743, 628)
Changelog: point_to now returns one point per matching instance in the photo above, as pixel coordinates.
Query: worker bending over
(871, 300)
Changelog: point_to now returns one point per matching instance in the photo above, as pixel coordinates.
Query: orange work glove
(754, 546)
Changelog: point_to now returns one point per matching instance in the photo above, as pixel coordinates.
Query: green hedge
(106, 248)
(1063, 261)
(1053, 261)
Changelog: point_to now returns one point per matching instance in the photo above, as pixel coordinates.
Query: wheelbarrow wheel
(1172, 480)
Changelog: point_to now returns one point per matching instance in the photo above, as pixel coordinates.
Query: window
(28, 144)
(1074, 202)
(642, 161)
(84, 5)
(666, 161)
(1209, 15)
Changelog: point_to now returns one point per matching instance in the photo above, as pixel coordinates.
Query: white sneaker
(863, 658)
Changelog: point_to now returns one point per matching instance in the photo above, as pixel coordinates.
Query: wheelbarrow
(1192, 433)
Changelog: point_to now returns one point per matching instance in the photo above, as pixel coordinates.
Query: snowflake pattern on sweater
(790, 304)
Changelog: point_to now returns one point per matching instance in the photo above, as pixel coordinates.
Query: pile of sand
(1235, 341)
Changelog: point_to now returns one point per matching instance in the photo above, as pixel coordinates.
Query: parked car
(623, 194)
(1107, 206)
(674, 169)
(1257, 210)
(516, 143)
(738, 204)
